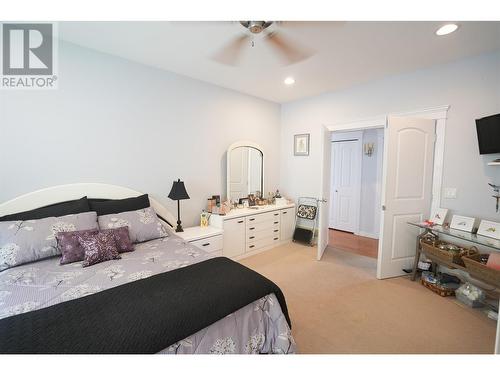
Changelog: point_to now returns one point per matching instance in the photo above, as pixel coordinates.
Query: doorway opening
(356, 178)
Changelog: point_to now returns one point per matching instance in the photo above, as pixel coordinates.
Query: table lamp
(177, 193)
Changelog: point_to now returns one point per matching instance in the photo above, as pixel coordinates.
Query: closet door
(234, 237)
(346, 179)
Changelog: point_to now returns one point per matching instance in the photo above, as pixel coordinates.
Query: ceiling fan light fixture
(289, 81)
(447, 29)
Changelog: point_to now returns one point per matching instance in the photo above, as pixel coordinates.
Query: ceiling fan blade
(230, 53)
(290, 50)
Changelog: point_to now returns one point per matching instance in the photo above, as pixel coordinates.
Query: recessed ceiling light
(446, 29)
(289, 81)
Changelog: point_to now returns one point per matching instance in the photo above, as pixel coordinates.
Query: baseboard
(367, 234)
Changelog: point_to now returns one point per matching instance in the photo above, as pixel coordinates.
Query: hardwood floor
(349, 242)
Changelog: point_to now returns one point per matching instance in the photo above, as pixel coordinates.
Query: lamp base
(179, 227)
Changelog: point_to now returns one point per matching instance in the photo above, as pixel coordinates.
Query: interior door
(406, 190)
(323, 219)
(346, 175)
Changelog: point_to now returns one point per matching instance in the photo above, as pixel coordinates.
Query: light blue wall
(472, 89)
(118, 122)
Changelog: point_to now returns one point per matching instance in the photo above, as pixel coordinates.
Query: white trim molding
(439, 113)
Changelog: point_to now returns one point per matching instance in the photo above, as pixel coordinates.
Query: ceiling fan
(291, 52)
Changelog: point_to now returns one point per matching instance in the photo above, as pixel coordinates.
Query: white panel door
(325, 195)
(406, 190)
(345, 191)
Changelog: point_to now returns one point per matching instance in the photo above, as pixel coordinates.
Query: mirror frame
(228, 161)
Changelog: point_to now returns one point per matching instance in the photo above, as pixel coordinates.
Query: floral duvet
(259, 327)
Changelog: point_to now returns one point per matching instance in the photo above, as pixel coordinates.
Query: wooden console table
(434, 231)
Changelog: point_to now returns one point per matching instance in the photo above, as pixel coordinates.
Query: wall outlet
(450, 193)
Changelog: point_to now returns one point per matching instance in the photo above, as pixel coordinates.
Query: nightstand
(207, 238)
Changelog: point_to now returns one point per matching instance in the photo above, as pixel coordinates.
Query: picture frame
(438, 216)
(463, 223)
(301, 144)
(489, 229)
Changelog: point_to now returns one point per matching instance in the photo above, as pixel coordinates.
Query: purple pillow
(99, 247)
(122, 239)
(69, 246)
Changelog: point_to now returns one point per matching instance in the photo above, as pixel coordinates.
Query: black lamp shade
(178, 191)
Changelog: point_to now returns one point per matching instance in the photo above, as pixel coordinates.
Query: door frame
(358, 135)
(439, 114)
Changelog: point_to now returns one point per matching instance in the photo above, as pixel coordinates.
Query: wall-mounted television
(488, 134)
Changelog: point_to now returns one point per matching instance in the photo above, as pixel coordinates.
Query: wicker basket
(446, 256)
(481, 272)
(443, 292)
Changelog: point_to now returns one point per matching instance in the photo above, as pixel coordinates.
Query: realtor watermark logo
(29, 56)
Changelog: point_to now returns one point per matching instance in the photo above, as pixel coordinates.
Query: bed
(32, 294)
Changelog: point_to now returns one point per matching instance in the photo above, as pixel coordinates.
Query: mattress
(259, 327)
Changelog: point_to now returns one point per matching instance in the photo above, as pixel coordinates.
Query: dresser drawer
(273, 231)
(263, 242)
(265, 217)
(258, 227)
(209, 244)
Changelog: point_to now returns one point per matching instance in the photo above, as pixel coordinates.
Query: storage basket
(438, 289)
(480, 271)
(443, 255)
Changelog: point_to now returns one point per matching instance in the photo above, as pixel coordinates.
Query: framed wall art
(301, 144)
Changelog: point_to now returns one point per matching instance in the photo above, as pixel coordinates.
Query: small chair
(305, 221)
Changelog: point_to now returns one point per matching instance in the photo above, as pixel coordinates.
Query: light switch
(450, 193)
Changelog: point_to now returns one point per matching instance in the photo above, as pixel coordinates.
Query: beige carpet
(338, 306)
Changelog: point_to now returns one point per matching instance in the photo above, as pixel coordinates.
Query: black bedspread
(144, 316)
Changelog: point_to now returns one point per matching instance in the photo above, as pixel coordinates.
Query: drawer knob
(275, 238)
(252, 228)
(276, 230)
(241, 221)
(251, 237)
(284, 212)
(251, 246)
(206, 244)
(252, 219)
(276, 222)
(276, 214)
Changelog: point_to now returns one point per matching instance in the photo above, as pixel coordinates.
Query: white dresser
(209, 238)
(249, 231)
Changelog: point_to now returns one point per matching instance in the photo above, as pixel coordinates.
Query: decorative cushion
(143, 225)
(306, 212)
(26, 241)
(69, 246)
(122, 238)
(115, 206)
(54, 210)
(99, 247)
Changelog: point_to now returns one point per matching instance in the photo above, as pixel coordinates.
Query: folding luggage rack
(305, 221)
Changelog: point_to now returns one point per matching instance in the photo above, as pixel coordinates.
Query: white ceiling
(346, 53)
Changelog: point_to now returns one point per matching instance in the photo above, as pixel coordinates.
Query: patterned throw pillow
(122, 239)
(27, 241)
(143, 225)
(70, 247)
(99, 247)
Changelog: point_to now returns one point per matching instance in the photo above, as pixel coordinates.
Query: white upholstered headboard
(62, 193)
